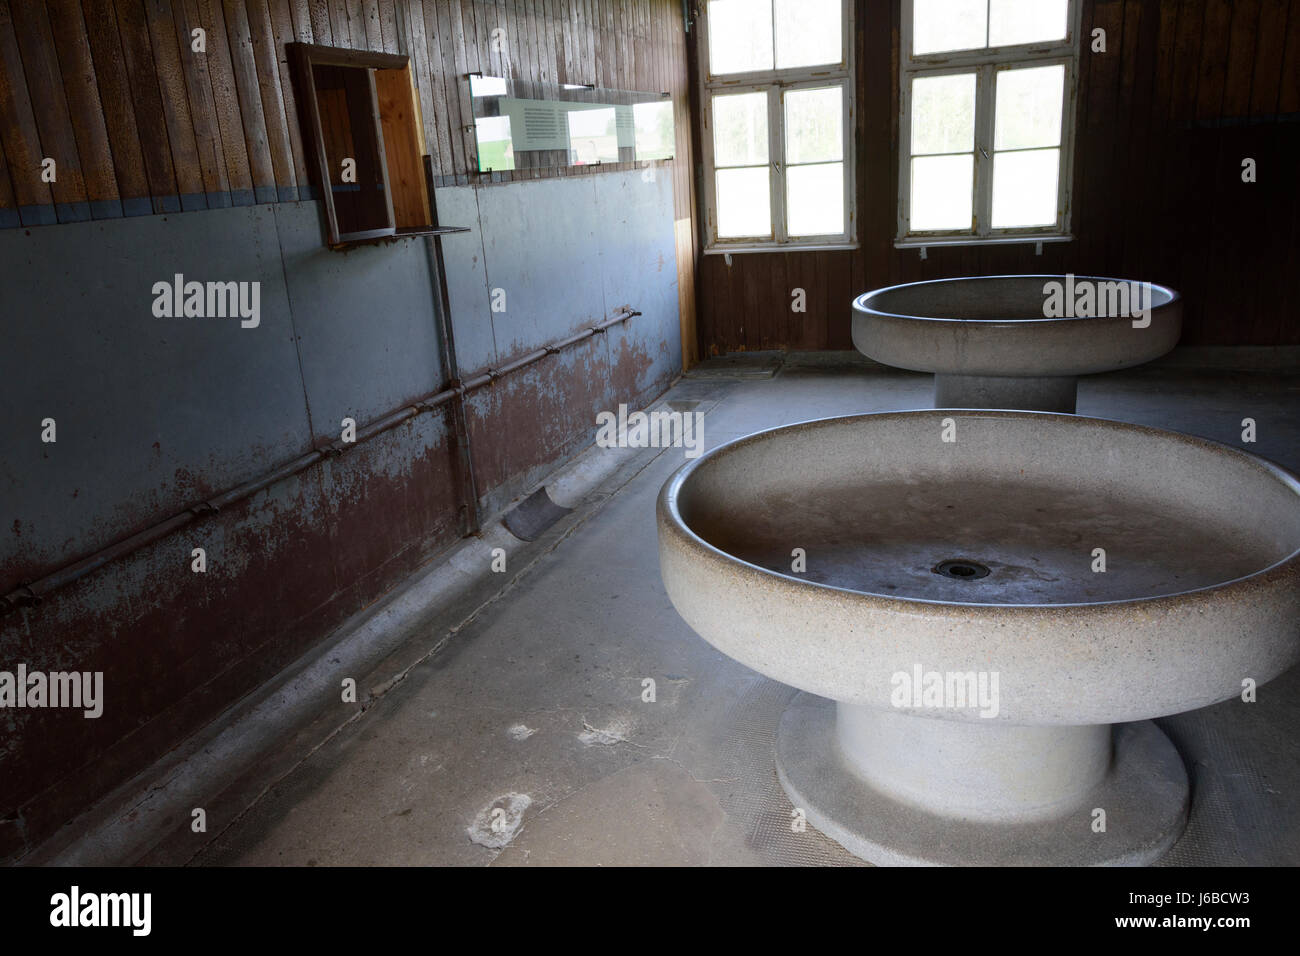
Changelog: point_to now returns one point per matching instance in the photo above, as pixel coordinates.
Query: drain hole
(961, 570)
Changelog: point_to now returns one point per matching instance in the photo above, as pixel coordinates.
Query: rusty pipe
(33, 592)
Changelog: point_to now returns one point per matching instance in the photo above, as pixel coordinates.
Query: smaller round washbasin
(1106, 571)
(1017, 342)
(998, 325)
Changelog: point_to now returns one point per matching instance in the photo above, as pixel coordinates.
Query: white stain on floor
(616, 732)
(499, 822)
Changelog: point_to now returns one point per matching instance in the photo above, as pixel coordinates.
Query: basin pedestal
(1048, 394)
(897, 789)
(982, 684)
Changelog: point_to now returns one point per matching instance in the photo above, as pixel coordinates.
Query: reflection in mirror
(521, 125)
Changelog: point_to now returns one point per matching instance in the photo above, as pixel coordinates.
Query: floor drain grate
(960, 569)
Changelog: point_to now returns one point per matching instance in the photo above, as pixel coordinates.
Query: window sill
(921, 242)
(428, 231)
(404, 233)
(786, 247)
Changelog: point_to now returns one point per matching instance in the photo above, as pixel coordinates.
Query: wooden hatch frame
(399, 138)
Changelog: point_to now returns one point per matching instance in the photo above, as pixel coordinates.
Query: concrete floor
(535, 708)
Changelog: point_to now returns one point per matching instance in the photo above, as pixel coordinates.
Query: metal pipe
(34, 592)
(522, 362)
(450, 365)
(250, 488)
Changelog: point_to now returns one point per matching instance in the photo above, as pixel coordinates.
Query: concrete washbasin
(977, 687)
(1017, 342)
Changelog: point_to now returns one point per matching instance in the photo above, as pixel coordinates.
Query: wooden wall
(138, 123)
(1185, 91)
(112, 90)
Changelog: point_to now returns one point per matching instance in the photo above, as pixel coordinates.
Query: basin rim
(670, 516)
(859, 302)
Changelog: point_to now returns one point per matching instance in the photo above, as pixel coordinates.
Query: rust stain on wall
(176, 647)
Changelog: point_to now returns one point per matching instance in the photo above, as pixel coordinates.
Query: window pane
(943, 114)
(941, 192)
(1029, 107)
(815, 199)
(939, 25)
(1024, 188)
(744, 203)
(740, 129)
(1026, 21)
(814, 125)
(740, 36)
(808, 32)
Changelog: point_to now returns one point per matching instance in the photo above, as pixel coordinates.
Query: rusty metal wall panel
(176, 647)
(226, 403)
(566, 253)
(155, 415)
(638, 255)
(152, 414)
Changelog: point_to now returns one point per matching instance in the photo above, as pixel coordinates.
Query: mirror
(532, 125)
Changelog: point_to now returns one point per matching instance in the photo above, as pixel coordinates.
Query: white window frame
(776, 83)
(986, 63)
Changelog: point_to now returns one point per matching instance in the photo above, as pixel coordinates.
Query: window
(987, 97)
(362, 121)
(777, 125)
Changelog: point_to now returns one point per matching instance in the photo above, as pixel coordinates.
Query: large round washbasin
(984, 610)
(1016, 342)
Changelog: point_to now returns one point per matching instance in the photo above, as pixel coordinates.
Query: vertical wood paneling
(388, 26)
(319, 13)
(50, 109)
(438, 24)
(524, 57)
(198, 86)
(1240, 66)
(438, 124)
(140, 123)
(119, 109)
(1134, 155)
(1094, 130)
(374, 32)
(339, 34)
(300, 14)
(488, 16)
(285, 31)
(146, 97)
(1286, 148)
(356, 14)
(225, 99)
(8, 204)
(248, 91)
(455, 69)
(264, 45)
(416, 45)
(84, 104)
(166, 50)
(18, 133)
